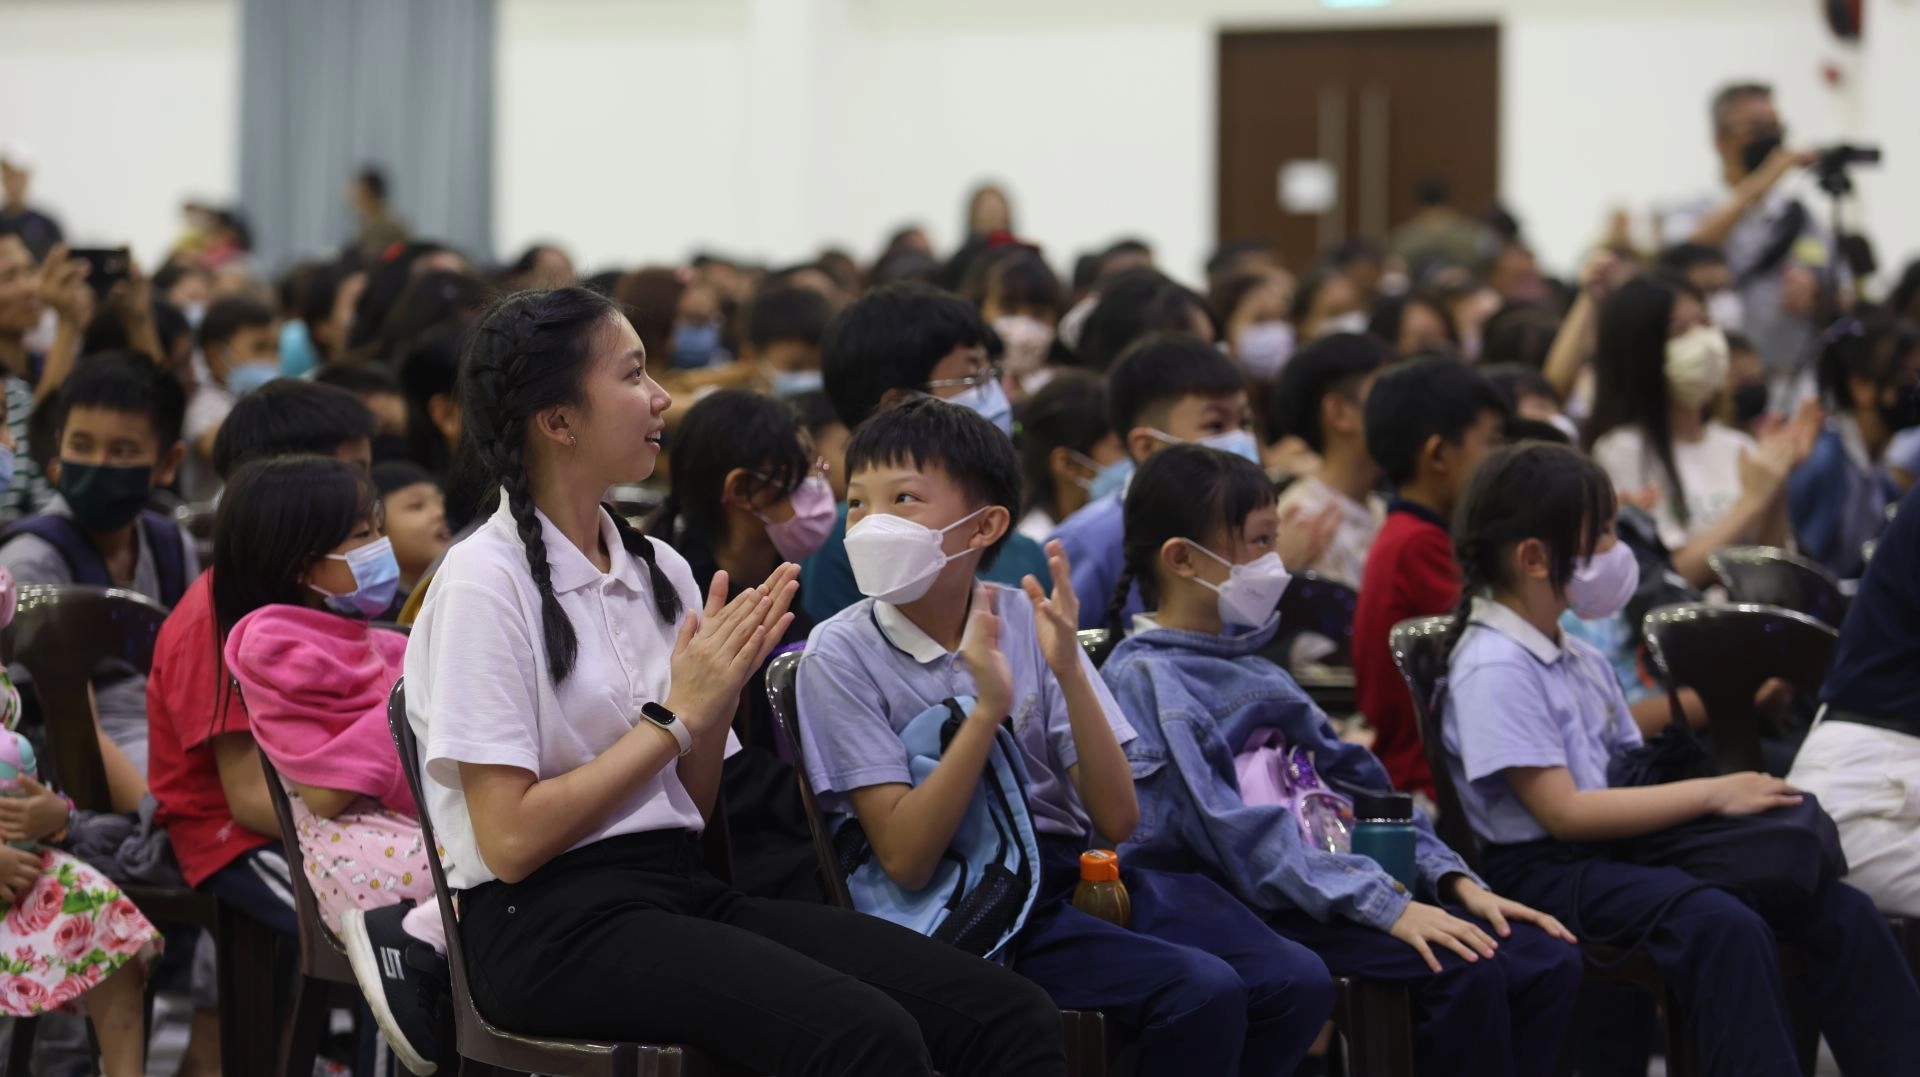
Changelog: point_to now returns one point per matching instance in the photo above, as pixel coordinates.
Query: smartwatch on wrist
(669, 721)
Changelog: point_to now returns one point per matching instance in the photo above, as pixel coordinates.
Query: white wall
(640, 130)
(130, 107)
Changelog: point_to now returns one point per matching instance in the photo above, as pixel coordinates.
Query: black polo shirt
(1876, 668)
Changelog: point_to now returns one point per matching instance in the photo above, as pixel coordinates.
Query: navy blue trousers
(1507, 1017)
(1719, 956)
(1198, 980)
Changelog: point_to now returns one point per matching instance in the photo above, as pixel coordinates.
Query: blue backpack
(979, 897)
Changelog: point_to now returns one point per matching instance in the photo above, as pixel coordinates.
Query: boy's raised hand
(980, 646)
(1056, 619)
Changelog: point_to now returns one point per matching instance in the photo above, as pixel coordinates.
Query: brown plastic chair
(1763, 575)
(326, 977)
(1090, 1043)
(1725, 653)
(62, 633)
(484, 1048)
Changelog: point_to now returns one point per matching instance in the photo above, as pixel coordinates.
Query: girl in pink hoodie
(300, 564)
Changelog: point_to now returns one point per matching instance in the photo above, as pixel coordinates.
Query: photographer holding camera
(1774, 244)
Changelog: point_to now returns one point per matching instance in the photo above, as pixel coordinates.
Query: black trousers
(631, 939)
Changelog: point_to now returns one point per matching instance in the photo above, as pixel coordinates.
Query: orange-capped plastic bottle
(1100, 892)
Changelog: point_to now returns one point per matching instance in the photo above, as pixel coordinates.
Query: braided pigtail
(666, 600)
(1116, 607)
(556, 631)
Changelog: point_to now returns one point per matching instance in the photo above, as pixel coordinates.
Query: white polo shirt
(478, 690)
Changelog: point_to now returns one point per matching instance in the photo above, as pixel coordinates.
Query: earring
(572, 442)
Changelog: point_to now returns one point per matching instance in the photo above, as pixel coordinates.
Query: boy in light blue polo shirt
(1203, 985)
(1166, 389)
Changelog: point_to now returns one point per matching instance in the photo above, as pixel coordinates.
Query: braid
(563, 646)
(1468, 553)
(666, 600)
(1116, 624)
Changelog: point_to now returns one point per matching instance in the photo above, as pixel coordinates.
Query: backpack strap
(169, 555)
(84, 563)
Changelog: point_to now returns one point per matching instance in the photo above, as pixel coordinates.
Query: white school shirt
(1709, 470)
(478, 689)
(1346, 557)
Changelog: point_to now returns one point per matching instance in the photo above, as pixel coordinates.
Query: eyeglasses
(984, 373)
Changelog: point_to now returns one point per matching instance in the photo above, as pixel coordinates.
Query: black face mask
(104, 498)
(1750, 402)
(389, 447)
(1758, 149)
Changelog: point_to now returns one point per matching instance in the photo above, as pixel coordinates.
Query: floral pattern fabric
(70, 932)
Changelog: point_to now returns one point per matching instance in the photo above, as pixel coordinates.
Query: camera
(1835, 158)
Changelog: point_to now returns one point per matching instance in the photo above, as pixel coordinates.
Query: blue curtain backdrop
(330, 85)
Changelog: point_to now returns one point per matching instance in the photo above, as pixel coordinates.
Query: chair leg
(20, 1053)
(1683, 1060)
(246, 951)
(300, 1044)
(1380, 1036)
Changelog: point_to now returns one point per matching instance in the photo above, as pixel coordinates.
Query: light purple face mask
(813, 514)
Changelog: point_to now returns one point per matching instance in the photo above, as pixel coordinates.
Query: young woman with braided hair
(572, 693)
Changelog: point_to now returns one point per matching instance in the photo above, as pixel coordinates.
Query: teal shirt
(826, 578)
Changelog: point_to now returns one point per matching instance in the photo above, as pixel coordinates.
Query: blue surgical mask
(1112, 479)
(695, 345)
(297, 353)
(6, 469)
(376, 579)
(794, 382)
(990, 401)
(1233, 442)
(244, 378)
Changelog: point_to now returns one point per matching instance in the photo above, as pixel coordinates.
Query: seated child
(1202, 984)
(1837, 501)
(1493, 981)
(298, 568)
(1531, 722)
(784, 326)
(1321, 398)
(415, 514)
(1066, 441)
(240, 340)
(1429, 421)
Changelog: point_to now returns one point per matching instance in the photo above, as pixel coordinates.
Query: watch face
(658, 714)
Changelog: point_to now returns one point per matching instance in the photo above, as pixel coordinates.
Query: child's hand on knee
(1422, 926)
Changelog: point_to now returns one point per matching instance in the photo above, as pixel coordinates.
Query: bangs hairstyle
(278, 516)
(1188, 492)
(892, 338)
(128, 383)
(1069, 412)
(1533, 490)
(1161, 370)
(1132, 305)
(925, 433)
(1021, 280)
(728, 429)
(287, 416)
(1337, 363)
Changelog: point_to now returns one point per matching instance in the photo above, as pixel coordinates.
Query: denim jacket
(1194, 700)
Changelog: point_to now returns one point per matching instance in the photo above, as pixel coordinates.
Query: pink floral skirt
(71, 931)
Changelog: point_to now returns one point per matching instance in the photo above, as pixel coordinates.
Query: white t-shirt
(207, 407)
(1709, 471)
(478, 690)
(1037, 525)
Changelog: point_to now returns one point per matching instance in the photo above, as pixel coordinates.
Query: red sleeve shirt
(184, 713)
(1410, 573)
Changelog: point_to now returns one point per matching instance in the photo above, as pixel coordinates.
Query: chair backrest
(1725, 653)
(1324, 606)
(62, 633)
(782, 674)
(1098, 643)
(320, 954)
(1767, 576)
(1420, 651)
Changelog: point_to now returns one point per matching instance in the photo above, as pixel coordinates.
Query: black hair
(1226, 257)
(925, 433)
(1132, 305)
(373, 180)
(892, 338)
(172, 326)
(367, 379)
(431, 369)
(1684, 256)
(530, 258)
(278, 516)
(1161, 370)
(125, 381)
(1086, 272)
(1069, 412)
(1235, 289)
(430, 301)
(1336, 363)
(173, 273)
(228, 315)
(1519, 333)
(905, 266)
(1022, 279)
(1514, 380)
(386, 280)
(391, 475)
(814, 411)
(1731, 94)
(108, 331)
(531, 352)
(603, 281)
(1183, 491)
(1418, 398)
(1533, 490)
(728, 429)
(787, 312)
(1521, 430)
(1630, 366)
(1308, 290)
(1390, 312)
(1875, 346)
(288, 416)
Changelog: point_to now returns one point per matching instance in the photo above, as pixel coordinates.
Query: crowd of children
(929, 479)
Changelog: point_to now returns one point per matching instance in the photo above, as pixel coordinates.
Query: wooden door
(1359, 116)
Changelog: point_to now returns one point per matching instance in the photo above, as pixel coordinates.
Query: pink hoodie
(315, 685)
